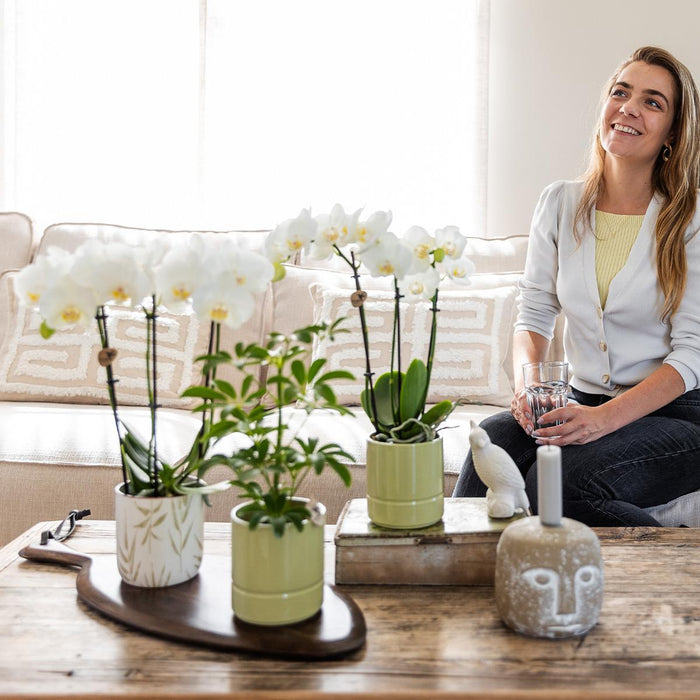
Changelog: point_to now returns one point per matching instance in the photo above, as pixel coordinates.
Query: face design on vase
(558, 595)
(563, 601)
(637, 116)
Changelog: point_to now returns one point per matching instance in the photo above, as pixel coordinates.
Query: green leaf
(299, 371)
(436, 414)
(386, 389)
(336, 374)
(314, 369)
(203, 392)
(226, 388)
(413, 390)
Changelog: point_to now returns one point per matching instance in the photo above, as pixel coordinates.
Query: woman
(618, 255)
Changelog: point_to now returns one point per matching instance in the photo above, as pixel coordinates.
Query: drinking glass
(546, 385)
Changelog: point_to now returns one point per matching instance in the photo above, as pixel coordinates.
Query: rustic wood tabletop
(422, 641)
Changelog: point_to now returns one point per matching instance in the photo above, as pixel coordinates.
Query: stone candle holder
(549, 569)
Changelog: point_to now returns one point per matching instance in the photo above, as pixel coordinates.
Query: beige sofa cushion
(473, 337)
(65, 369)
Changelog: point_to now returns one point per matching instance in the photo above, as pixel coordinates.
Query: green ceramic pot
(277, 580)
(405, 483)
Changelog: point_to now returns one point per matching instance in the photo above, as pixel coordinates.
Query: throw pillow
(65, 369)
(472, 349)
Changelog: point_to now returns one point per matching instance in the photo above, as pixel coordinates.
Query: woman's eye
(654, 103)
(618, 93)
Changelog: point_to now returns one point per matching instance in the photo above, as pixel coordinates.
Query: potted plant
(277, 571)
(404, 453)
(159, 506)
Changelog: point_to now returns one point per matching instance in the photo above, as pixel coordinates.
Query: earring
(666, 153)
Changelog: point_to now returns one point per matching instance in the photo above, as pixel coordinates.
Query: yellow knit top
(615, 236)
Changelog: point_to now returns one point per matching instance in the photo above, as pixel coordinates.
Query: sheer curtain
(237, 113)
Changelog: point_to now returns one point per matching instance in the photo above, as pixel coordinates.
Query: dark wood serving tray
(199, 611)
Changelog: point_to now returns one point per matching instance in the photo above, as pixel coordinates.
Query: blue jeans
(609, 481)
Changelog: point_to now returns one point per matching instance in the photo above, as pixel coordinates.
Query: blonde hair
(676, 178)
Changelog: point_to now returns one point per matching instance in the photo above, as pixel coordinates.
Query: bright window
(235, 114)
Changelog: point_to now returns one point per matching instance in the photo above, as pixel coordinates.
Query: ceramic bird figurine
(506, 488)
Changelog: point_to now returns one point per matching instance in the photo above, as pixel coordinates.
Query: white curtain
(238, 113)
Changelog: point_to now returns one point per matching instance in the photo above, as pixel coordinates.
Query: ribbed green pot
(277, 580)
(405, 483)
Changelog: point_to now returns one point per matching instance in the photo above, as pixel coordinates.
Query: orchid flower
(336, 229)
(375, 227)
(243, 268)
(290, 236)
(179, 274)
(66, 304)
(222, 302)
(421, 244)
(387, 255)
(451, 241)
(420, 286)
(457, 270)
(32, 280)
(113, 271)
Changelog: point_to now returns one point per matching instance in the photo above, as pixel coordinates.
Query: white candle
(549, 484)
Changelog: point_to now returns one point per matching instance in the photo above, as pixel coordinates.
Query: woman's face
(638, 114)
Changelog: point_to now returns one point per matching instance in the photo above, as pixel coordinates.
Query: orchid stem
(101, 318)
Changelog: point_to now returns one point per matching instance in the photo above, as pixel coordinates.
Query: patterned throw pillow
(472, 350)
(64, 368)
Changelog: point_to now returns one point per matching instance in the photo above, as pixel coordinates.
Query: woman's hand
(580, 424)
(520, 409)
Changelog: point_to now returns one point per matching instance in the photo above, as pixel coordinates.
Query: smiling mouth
(626, 129)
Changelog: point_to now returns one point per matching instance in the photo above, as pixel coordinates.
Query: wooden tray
(199, 611)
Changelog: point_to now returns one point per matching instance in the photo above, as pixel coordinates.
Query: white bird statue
(506, 488)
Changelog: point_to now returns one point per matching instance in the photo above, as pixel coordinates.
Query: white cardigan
(613, 349)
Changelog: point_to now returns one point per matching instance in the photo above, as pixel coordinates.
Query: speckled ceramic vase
(549, 569)
(159, 540)
(277, 580)
(405, 483)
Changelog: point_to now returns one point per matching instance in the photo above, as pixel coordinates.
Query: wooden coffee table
(422, 642)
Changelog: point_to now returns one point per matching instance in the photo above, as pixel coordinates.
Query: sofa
(58, 444)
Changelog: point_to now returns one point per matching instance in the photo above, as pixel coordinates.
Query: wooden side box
(459, 550)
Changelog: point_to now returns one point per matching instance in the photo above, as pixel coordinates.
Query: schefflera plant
(269, 454)
(209, 275)
(396, 402)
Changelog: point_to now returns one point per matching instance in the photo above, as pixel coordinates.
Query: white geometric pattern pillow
(64, 368)
(472, 348)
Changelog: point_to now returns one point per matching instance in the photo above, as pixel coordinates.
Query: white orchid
(420, 286)
(451, 241)
(179, 274)
(334, 229)
(457, 270)
(222, 302)
(113, 271)
(386, 256)
(375, 227)
(290, 237)
(417, 262)
(66, 304)
(421, 244)
(243, 268)
(31, 281)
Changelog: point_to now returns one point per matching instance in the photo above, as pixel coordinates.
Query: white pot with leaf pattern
(159, 540)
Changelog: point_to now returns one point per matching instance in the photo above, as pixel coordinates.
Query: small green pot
(405, 483)
(277, 580)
